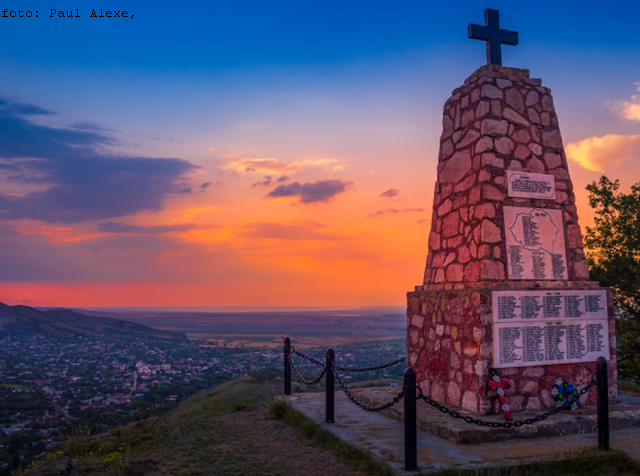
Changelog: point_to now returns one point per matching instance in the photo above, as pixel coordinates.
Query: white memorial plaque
(549, 327)
(535, 243)
(526, 185)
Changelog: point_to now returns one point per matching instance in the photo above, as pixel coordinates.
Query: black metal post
(603, 404)
(329, 386)
(410, 433)
(287, 366)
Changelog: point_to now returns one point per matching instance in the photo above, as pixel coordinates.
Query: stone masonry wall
(450, 344)
(499, 120)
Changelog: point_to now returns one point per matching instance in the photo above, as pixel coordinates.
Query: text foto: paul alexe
(95, 13)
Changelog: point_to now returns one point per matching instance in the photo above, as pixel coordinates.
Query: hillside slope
(25, 319)
(225, 430)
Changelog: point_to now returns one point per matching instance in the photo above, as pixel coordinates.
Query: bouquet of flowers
(498, 384)
(563, 391)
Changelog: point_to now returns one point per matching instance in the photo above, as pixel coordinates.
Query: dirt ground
(283, 446)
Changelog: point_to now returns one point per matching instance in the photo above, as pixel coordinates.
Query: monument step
(383, 438)
(625, 413)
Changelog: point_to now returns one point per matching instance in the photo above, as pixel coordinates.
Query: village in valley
(57, 386)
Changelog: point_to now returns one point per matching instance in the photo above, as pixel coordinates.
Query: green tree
(613, 254)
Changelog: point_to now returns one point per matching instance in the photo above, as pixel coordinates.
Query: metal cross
(493, 35)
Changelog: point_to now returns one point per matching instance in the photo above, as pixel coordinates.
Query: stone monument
(506, 284)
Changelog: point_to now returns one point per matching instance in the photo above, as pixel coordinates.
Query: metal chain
(508, 424)
(367, 369)
(306, 357)
(304, 380)
(346, 369)
(395, 400)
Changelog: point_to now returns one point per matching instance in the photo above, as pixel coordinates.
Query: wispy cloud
(297, 230)
(271, 166)
(629, 109)
(167, 139)
(268, 180)
(598, 153)
(12, 108)
(90, 126)
(114, 227)
(193, 212)
(263, 183)
(392, 192)
(393, 211)
(320, 191)
(85, 181)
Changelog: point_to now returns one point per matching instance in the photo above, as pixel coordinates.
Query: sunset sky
(268, 153)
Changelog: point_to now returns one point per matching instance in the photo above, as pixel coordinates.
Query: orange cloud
(118, 228)
(55, 234)
(271, 166)
(598, 153)
(629, 109)
(297, 230)
(192, 212)
(393, 211)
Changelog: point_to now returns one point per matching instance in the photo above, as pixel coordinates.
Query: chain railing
(304, 380)
(408, 393)
(367, 408)
(507, 424)
(348, 369)
(369, 369)
(306, 357)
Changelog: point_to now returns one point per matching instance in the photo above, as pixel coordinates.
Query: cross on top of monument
(493, 35)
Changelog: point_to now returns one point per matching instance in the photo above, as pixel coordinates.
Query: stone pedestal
(504, 218)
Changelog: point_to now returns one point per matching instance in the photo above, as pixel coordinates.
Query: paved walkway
(383, 437)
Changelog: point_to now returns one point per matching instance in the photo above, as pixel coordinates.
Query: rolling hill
(25, 319)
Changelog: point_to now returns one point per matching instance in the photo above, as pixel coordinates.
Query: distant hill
(27, 320)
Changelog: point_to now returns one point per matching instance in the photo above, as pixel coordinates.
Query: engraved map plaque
(526, 185)
(535, 243)
(549, 327)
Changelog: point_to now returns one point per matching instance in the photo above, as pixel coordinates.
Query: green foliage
(613, 244)
(613, 254)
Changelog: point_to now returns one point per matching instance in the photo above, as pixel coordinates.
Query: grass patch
(318, 436)
(629, 386)
(615, 463)
(191, 440)
(16, 386)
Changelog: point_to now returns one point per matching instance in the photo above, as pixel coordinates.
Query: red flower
(507, 415)
(503, 400)
(492, 385)
(499, 385)
(506, 383)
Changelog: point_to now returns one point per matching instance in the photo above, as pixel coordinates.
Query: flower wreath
(498, 384)
(563, 391)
